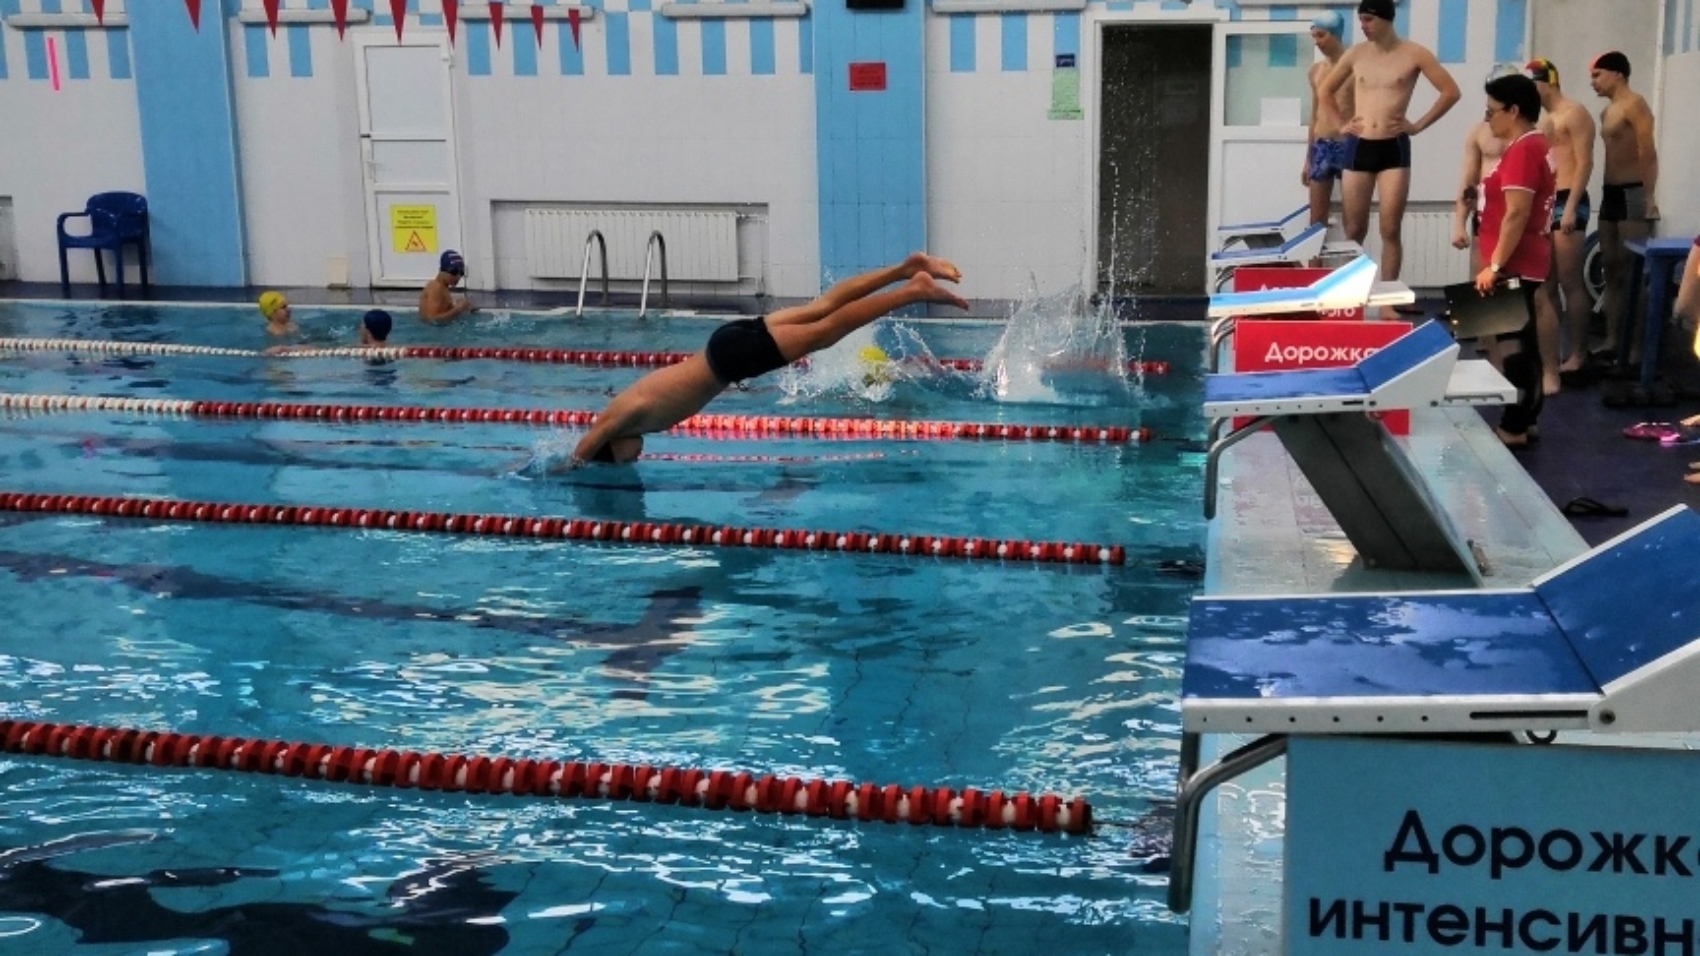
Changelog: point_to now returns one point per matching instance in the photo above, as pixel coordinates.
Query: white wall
(667, 140)
(1006, 185)
(298, 139)
(1679, 144)
(58, 148)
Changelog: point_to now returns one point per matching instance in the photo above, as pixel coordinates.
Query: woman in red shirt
(1516, 208)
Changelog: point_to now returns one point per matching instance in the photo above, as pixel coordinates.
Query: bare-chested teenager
(1325, 151)
(1482, 151)
(1631, 175)
(1383, 74)
(1570, 140)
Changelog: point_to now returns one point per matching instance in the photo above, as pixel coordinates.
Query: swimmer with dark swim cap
(1377, 8)
(375, 328)
(435, 302)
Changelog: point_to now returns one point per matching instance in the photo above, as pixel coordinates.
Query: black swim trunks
(741, 349)
(1623, 202)
(1378, 155)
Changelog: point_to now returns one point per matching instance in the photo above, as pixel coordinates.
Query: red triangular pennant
(340, 8)
(195, 13)
(271, 15)
(572, 23)
(398, 13)
(451, 11)
(496, 20)
(99, 11)
(537, 22)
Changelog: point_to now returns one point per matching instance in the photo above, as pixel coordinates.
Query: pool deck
(1272, 535)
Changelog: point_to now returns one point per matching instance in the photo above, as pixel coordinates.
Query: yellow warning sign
(414, 228)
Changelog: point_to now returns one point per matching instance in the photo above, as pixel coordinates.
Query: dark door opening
(1154, 159)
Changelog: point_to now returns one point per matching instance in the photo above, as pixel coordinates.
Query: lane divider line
(586, 357)
(406, 769)
(759, 426)
(571, 529)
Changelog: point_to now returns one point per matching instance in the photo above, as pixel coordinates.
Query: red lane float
(587, 357)
(572, 529)
(686, 787)
(707, 424)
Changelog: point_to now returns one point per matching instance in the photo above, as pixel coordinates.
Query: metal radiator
(1430, 260)
(701, 246)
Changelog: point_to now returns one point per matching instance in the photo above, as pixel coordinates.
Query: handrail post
(1189, 804)
(584, 269)
(655, 239)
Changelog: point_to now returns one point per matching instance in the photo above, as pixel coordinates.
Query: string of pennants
(398, 13)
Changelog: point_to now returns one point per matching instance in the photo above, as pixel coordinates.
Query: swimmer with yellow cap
(876, 366)
(275, 308)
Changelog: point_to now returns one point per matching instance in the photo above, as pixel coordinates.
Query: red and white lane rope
(572, 529)
(709, 789)
(588, 357)
(763, 426)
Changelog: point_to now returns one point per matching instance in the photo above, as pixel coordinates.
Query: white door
(1261, 104)
(407, 148)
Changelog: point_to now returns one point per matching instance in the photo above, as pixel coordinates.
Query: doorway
(407, 151)
(1154, 159)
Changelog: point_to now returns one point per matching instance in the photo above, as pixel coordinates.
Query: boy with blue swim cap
(435, 302)
(375, 328)
(1325, 150)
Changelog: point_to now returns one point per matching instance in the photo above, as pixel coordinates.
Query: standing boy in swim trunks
(1384, 74)
(1627, 203)
(1570, 137)
(435, 302)
(749, 347)
(1325, 154)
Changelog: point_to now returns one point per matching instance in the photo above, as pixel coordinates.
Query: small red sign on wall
(867, 76)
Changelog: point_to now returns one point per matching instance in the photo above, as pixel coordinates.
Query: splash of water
(1059, 349)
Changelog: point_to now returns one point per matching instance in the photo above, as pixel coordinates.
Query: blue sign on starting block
(1417, 847)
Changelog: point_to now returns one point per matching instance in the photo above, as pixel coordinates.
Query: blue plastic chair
(115, 221)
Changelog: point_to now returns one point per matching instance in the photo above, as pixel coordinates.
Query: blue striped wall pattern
(83, 54)
(630, 38)
(1682, 27)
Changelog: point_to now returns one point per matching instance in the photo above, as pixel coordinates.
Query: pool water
(878, 668)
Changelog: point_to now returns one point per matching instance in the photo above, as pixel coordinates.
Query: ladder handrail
(584, 269)
(655, 239)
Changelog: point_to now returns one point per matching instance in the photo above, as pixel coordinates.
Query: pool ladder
(656, 241)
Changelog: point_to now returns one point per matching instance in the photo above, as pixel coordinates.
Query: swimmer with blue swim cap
(375, 328)
(1330, 21)
(1325, 157)
(435, 302)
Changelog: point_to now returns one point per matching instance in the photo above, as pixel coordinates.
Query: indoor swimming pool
(1036, 676)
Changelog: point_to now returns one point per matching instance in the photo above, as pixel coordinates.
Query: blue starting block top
(1571, 652)
(1424, 357)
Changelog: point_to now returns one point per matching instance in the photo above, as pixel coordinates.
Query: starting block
(1361, 473)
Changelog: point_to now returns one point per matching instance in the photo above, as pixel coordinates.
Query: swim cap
(1613, 61)
(452, 263)
(1330, 21)
(270, 302)
(1541, 70)
(378, 323)
(873, 355)
(1377, 8)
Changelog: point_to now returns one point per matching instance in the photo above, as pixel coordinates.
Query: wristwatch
(1493, 267)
